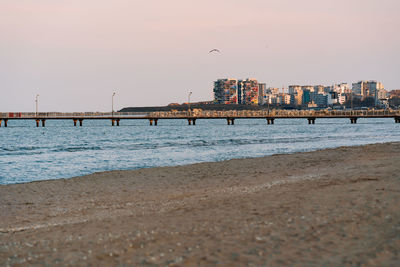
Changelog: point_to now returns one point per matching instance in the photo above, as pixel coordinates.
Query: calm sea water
(60, 150)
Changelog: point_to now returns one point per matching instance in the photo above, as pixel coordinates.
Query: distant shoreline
(185, 107)
(228, 107)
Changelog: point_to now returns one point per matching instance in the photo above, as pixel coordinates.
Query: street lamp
(112, 104)
(190, 93)
(37, 101)
(351, 98)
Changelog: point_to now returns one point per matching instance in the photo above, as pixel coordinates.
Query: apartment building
(234, 91)
(249, 91)
(226, 91)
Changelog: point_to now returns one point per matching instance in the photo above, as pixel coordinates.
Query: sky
(76, 53)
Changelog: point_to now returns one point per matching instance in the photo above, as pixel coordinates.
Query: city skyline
(75, 54)
(253, 92)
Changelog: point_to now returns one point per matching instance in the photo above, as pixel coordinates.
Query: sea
(60, 150)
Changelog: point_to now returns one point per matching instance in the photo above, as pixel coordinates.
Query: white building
(341, 98)
(332, 98)
(343, 88)
(293, 89)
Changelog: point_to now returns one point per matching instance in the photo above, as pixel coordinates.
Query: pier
(270, 116)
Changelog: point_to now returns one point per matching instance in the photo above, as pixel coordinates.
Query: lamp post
(351, 98)
(190, 93)
(112, 104)
(37, 102)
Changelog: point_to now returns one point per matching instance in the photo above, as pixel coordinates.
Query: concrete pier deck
(191, 116)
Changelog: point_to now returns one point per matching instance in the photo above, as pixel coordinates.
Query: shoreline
(333, 206)
(205, 162)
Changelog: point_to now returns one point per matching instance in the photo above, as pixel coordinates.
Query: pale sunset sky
(75, 54)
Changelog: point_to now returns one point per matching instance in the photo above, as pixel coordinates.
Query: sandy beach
(330, 207)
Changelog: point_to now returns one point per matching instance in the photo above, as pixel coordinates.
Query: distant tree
(358, 103)
(368, 102)
(394, 102)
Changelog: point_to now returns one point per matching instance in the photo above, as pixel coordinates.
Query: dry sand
(331, 207)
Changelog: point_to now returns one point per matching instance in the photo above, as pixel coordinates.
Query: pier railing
(276, 113)
(207, 114)
(49, 115)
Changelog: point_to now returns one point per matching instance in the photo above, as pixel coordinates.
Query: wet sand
(330, 207)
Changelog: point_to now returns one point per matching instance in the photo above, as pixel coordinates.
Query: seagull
(214, 50)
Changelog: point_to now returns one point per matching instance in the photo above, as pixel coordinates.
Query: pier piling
(155, 122)
(80, 122)
(1, 122)
(353, 120)
(117, 120)
(230, 121)
(151, 122)
(43, 123)
(5, 122)
(75, 120)
(311, 120)
(37, 123)
(191, 121)
(112, 122)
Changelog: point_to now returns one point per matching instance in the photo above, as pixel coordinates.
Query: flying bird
(214, 50)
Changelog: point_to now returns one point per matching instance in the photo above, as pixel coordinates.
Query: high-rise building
(332, 98)
(307, 87)
(226, 91)
(328, 89)
(273, 90)
(285, 98)
(376, 90)
(343, 88)
(306, 98)
(233, 91)
(296, 93)
(369, 89)
(294, 89)
(261, 93)
(320, 99)
(298, 98)
(320, 89)
(361, 88)
(249, 90)
(374, 87)
(341, 98)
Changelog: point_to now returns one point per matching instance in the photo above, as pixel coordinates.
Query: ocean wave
(21, 153)
(19, 148)
(76, 149)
